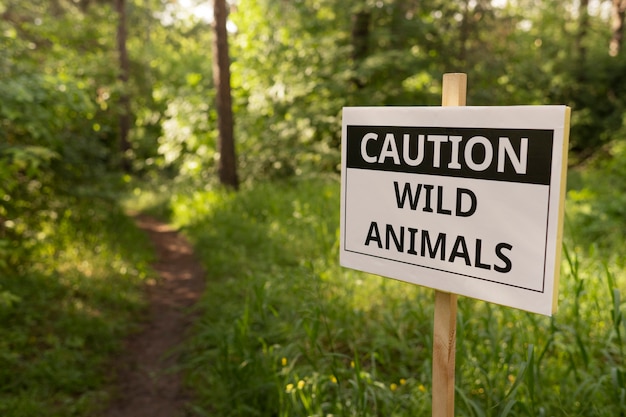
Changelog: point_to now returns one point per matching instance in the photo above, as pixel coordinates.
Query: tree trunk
(123, 76)
(360, 34)
(227, 165)
(583, 29)
(618, 12)
(464, 34)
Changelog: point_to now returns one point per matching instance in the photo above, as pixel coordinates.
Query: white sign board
(466, 200)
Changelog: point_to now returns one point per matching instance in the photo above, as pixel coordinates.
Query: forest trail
(148, 384)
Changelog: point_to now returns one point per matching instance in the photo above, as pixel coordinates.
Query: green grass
(285, 331)
(64, 313)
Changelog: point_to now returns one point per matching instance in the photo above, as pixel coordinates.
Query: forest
(228, 126)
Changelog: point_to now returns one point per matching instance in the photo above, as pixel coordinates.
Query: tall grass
(64, 314)
(285, 331)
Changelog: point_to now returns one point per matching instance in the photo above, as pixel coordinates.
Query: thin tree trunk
(618, 13)
(124, 71)
(464, 34)
(227, 166)
(583, 28)
(360, 35)
(360, 42)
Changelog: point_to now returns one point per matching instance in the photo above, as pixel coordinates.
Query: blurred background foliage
(295, 64)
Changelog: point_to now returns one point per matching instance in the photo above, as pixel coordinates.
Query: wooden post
(444, 333)
(454, 89)
(444, 341)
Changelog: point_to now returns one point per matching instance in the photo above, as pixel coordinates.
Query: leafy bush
(71, 262)
(52, 148)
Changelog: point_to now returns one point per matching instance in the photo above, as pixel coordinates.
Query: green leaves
(27, 159)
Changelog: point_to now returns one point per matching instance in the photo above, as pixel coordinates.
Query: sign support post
(444, 330)
(467, 200)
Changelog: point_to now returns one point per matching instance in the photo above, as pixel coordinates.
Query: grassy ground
(65, 312)
(285, 331)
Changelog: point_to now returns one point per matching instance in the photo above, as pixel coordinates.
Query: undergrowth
(65, 311)
(285, 331)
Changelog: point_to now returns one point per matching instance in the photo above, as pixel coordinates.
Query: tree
(583, 28)
(618, 11)
(360, 38)
(124, 70)
(227, 168)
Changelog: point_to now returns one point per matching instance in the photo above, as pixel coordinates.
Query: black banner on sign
(513, 155)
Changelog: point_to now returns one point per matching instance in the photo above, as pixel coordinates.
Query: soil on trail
(147, 382)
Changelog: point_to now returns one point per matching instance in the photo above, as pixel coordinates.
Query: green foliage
(295, 65)
(54, 133)
(71, 263)
(294, 68)
(175, 113)
(596, 204)
(285, 331)
(64, 314)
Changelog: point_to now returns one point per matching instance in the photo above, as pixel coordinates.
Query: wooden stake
(454, 89)
(444, 341)
(444, 337)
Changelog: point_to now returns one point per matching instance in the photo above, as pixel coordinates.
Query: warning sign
(467, 200)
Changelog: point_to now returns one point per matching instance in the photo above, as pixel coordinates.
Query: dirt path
(148, 384)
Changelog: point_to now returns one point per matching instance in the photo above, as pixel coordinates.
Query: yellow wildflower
(393, 386)
(283, 361)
